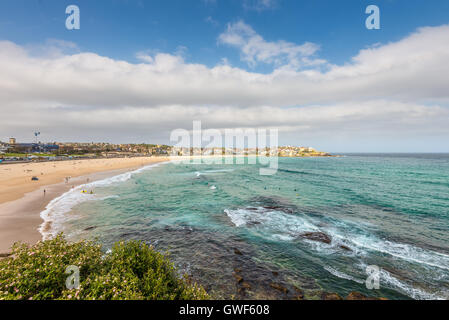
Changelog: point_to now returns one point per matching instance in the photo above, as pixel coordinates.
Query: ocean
(312, 228)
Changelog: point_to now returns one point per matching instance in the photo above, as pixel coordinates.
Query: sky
(136, 70)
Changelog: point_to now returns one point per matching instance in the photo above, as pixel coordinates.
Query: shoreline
(21, 201)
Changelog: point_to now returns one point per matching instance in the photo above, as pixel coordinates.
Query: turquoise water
(391, 211)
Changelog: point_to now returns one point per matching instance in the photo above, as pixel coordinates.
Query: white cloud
(255, 49)
(400, 89)
(212, 21)
(259, 5)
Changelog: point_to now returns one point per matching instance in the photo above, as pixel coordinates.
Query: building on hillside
(3, 148)
(34, 147)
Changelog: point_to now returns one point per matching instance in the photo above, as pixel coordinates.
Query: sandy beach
(22, 200)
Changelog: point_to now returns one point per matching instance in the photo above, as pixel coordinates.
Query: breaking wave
(281, 226)
(55, 212)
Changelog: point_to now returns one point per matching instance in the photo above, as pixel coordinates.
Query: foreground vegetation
(130, 270)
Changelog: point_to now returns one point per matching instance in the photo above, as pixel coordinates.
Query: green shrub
(131, 270)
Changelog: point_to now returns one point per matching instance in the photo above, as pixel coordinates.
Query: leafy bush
(131, 270)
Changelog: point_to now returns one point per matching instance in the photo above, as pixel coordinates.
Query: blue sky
(136, 70)
(120, 28)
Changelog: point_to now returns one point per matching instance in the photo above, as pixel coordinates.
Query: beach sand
(22, 200)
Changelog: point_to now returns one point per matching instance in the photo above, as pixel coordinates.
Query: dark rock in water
(279, 287)
(246, 285)
(401, 274)
(279, 208)
(330, 296)
(358, 296)
(211, 260)
(271, 207)
(238, 277)
(275, 273)
(90, 228)
(274, 203)
(299, 293)
(241, 291)
(128, 234)
(243, 287)
(345, 248)
(355, 296)
(317, 236)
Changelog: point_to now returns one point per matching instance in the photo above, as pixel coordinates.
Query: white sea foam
(289, 225)
(281, 226)
(275, 224)
(342, 275)
(409, 253)
(361, 244)
(389, 280)
(200, 173)
(238, 217)
(284, 226)
(218, 171)
(55, 213)
(404, 251)
(409, 290)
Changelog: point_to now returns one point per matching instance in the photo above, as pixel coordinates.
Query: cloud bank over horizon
(386, 94)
